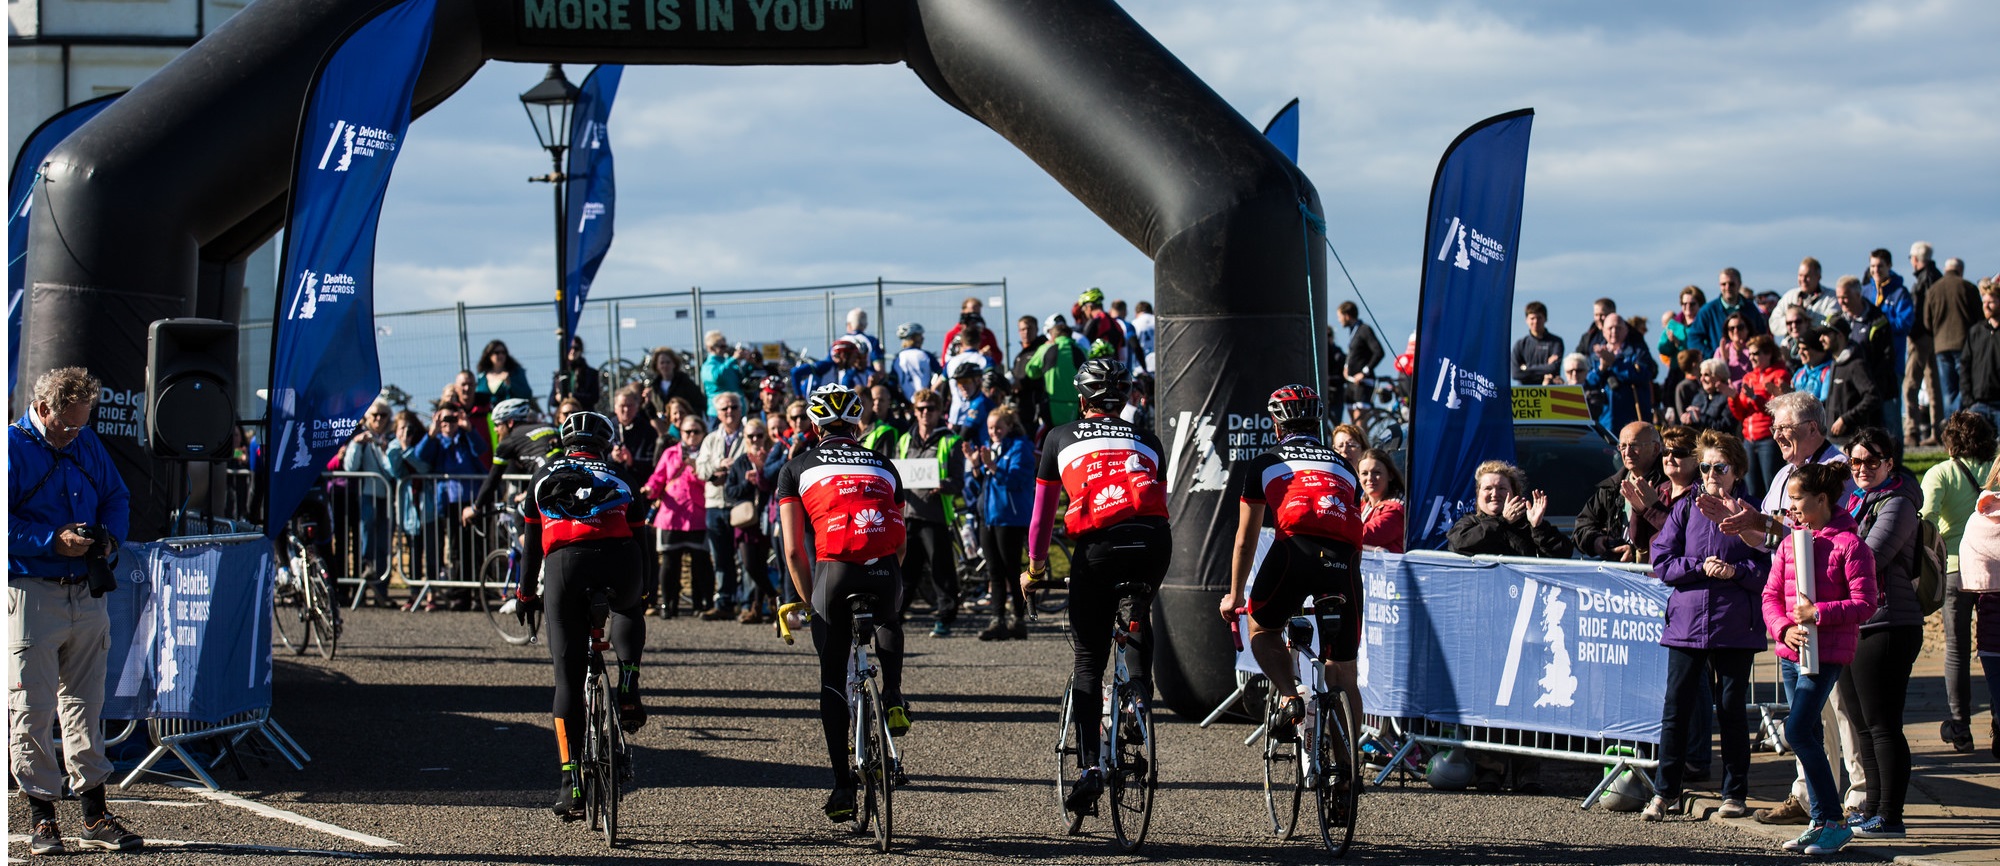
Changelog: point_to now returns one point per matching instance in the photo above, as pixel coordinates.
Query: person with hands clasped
(1712, 625)
(850, 499)
(1843, 575)
(1002, 482)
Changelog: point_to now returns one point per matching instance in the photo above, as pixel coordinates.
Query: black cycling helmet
(589, 432)
(833, 404)
(1103, 382)
(995, 378)
(1294, 403)
(966, 370)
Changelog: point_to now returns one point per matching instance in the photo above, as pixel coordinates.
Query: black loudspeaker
(190, 380)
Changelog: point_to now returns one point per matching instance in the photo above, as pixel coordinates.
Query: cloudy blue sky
(1670, 140)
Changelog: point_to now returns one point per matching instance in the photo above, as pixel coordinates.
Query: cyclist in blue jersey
(577, 521)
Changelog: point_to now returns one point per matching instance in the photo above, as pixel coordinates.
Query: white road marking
(276, 813)
(177, 804)
(226, 846)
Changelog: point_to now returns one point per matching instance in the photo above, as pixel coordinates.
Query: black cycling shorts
(1302, 566)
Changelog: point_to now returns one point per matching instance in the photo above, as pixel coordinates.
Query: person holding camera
(67, 509)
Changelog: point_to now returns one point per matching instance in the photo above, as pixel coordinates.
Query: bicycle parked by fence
(305, 611)
(606, 766)
(872, 752)
(1127, 758)
(500, 583)
(1320, 755)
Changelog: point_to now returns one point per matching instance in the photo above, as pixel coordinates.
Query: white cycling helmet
(514, 409)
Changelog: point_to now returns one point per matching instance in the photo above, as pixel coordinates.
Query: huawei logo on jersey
(1108, 496)
(868, 520)
(1327, 502)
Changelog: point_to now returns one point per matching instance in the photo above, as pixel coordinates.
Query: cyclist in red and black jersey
(1305, 493)
(851, 501)
(577, 522)
(1117, 520)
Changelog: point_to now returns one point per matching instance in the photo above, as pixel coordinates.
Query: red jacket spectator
(1759, 386)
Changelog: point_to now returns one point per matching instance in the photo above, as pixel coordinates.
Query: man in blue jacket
(66, 506)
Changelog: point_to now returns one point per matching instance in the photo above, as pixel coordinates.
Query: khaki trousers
(55, 669)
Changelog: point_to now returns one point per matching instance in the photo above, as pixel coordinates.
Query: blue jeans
(722, 549)
(1947, 376)
(1809, 694)
(1765, 458)
(1892, 416)
(1684, 720)
(375, 537)
(1990, 410)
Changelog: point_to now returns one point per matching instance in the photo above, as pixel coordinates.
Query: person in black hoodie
(1508, 521)
(1603, 530)
(1853, 394)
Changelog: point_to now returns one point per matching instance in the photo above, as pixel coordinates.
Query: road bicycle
(304, 610)
(1320, 754)
(500, 584)
(606, 766)
(1385, 417)
(872, 754)
(1126, 756)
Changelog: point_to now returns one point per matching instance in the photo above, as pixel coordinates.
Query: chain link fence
(421, 351)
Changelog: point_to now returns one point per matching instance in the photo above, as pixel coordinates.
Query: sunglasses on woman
(1711, 468)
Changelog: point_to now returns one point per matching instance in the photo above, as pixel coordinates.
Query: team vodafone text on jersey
(853, 500)
(1110, 469)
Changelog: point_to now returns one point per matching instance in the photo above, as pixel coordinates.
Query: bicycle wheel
(1132, 781)
(325, 614)
(1384, 428)
(288, 614)
(875, 768)
(1282, 791)
(610, 758)
(1049, 599)
(1339, 785)
(586, 769)
(498, 583)
(1066, 764)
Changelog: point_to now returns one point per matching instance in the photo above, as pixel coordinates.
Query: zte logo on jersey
(868, 520)
(1108, 496)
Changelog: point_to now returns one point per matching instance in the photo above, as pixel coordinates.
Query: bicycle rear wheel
(875, 768)
(1282, 791)
(288, 614)
(1339, 785)
(1384, 428)
(499, 582)
(610, 758)
(1066, 764)
(588, 771)
(1132, 781)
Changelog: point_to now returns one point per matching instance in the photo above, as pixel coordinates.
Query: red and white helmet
(1294, 403)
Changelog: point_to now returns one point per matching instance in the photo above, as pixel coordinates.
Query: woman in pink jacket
(681, 519)
(1844, 586)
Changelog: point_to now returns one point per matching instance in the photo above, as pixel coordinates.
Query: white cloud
(1669, 141)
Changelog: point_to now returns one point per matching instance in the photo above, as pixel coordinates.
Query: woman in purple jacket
(1712, 624)
(1843, 574)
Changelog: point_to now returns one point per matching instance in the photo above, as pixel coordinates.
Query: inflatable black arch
(148, 210)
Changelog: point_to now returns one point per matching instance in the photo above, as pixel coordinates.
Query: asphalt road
(427, 732)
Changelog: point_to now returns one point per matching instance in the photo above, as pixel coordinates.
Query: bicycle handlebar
(784, 622)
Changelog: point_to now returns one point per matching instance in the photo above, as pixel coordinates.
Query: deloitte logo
(1454, 383)
(1108, 496)
(354, 141)
(1472, 247)
(867, 519)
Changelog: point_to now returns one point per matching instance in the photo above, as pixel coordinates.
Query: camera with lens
(98, 559)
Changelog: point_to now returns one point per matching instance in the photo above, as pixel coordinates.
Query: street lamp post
(555, 96)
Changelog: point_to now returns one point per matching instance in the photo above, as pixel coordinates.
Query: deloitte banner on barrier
(190, 632)
(1565, 649)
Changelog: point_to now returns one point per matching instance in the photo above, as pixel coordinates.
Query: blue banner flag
(1283, 130)
(20, 196)
(1463, 412)
(592, 197)
(190, 631)
(324, 370)
(1565, 649)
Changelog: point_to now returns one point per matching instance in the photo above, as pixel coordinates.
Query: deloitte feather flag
(20, 195)
(324, 371)
(592, 197)
(1283, 130)
(1464, 414)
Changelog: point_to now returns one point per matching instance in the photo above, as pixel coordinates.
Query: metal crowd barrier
(416, 519)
